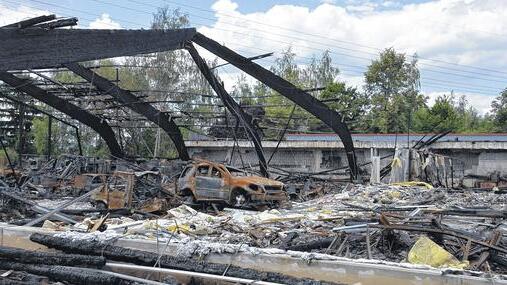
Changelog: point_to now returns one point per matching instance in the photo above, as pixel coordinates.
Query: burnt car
(131, 190)
(205, 181)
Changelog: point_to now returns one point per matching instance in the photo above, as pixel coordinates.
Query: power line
(354, 50)
(363, 58)
(447, 73)
(320, 36)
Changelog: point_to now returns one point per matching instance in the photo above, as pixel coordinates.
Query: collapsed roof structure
(41, 43)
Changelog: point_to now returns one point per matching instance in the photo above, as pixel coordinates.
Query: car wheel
(239, 199)
(101, 206)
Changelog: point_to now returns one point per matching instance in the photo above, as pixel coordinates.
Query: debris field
(405, 223)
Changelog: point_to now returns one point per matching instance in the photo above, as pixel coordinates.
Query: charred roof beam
(320, 110)
(161, 119)
(33, 48)
(231, 105)
(97, 124)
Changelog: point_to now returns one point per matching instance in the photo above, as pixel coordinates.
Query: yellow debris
(396, 163)
(427, 252)
(394, 194)
(413, 183)
(182, 228)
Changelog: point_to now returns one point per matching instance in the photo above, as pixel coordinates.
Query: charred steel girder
(232, 106)
(73, 111)
(130, 100)
(320, 110)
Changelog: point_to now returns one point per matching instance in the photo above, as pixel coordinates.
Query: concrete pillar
(317, 160)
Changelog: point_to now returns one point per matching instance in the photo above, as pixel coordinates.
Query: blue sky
(460, 43)
(88, 10)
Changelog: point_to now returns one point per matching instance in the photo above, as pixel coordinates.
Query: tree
(499, 112)
(319, 73)
(348, 102)
(442, 116)
(392, 84)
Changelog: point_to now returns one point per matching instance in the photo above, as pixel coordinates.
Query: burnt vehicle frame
(205, 181)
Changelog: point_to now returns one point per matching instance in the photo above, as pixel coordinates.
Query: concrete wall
(478, 158)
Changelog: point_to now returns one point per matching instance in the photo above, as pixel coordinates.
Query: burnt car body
(130, 190)
(215, 182)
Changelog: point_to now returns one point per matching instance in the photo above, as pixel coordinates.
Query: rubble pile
(405, 223)
(377, 222)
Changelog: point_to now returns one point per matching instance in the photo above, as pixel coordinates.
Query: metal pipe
(128, 277)
(50, 123)
(114, 265)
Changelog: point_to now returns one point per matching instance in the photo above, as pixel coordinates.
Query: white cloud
(10, 15)
(466, 32)
(224, 6)
(482, 103)
(104, 22)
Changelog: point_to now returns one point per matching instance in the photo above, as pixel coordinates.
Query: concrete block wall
(479, 158)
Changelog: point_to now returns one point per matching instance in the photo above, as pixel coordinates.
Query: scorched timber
(139, 257)
(39, 48)
(72, 275)
(51, 258)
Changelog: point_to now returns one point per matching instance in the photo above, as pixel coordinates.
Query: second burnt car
(205, 181)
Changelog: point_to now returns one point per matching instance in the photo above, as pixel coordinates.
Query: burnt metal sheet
(210, 188)
(97, 124)
(320, 110)
(232, 106)
(42, 48)
(131, 101)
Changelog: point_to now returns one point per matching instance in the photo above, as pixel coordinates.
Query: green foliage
(499, 111)
(442, 116)
(392, 83)
(348, 102)
(40, 135)
(13, 156)
(449, 114)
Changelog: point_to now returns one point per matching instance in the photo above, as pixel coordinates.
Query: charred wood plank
(58, 24)
(97, 124)
(315, 244)
(38, 48)
(126, 97)
(320, 110)
(139, 257)
(232, 106)
(30, 22)
(51, 258)
(67, 274)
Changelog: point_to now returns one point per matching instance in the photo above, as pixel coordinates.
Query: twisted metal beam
(320, 110)
(232, 106)
(131, 101)
(97, 124)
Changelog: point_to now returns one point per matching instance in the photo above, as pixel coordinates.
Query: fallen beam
(51, 258)
(217, 278)
(73, 275)
(5, 191)
(139, 257)
(63, 206)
